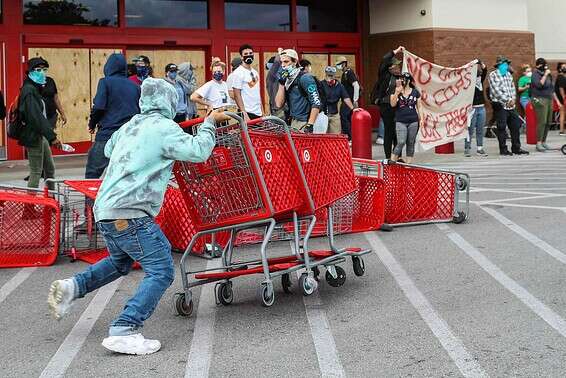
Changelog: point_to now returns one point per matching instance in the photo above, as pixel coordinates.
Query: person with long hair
(407, 104)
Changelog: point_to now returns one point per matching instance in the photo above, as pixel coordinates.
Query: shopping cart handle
(191, 122)
(255, 121)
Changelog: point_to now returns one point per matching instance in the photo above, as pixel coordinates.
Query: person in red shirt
(143, 69)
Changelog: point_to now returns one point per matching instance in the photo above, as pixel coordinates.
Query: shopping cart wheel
(225, 293)
(308, 284)
(563, 149)
(181, 306)
(359, 266)
(461, 183)
(340, 276)
(460, 218)
(267, 295)
(286, 283)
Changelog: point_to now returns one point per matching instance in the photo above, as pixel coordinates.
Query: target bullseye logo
(268, 156)
(306, 156)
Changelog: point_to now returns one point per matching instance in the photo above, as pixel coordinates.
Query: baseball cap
(341, 59)
(142, 58)
(171, 67)
(501, 59)
(236, 62)
(291, 54)
(36, 62)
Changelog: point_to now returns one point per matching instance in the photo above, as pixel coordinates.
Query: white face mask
(529, 74)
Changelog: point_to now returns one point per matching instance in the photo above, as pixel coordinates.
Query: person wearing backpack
(35, 132)
(334, 91)
(300, 91)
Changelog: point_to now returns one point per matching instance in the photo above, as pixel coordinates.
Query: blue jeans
(96, 162)
(381, 128)
(132, 240)
(476, 126)
(524, 101)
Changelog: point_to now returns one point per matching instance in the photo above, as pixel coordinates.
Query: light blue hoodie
(142, 153)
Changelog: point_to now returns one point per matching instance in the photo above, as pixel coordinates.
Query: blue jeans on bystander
(476, 127)
(131, 240)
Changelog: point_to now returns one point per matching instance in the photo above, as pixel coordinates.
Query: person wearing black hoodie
(37, 136)
(115, 102)
(381, 95)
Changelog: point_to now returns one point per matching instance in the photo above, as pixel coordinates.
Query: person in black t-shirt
(52, 103)
(406, 101)
(350, 82)
(560, 91)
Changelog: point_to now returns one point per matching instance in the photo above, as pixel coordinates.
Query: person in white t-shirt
(214, 93)
(246, 86)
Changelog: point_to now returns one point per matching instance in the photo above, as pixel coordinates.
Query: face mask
(268, 66)
(248, 59)
(172, 75)
(218, 76)
(339, 66)
(142, 71)
(37, 77)
(503, 68)
(529, 74)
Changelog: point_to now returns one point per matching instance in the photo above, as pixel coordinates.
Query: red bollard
(361, 134)
(447, 148)
(531, 119)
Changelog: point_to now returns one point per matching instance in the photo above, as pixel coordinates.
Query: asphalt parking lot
(482, 298)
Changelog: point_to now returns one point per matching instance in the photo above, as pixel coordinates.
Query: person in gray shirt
(542, 90)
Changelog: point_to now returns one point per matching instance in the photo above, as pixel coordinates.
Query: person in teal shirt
(141, 153)
(524, 85)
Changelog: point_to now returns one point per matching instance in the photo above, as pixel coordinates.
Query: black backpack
(319, 88)
(14, 122)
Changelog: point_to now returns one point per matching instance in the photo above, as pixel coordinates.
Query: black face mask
(248, 59)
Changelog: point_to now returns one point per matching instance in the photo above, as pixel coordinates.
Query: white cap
(291, 54)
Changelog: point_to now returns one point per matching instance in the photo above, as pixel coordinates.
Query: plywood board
(350, 57)
(318, 63)
(70, 68)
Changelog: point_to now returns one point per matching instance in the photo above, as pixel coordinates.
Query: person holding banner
(503, 94)
(407, 104)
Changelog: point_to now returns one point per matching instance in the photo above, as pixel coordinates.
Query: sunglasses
(41, 69)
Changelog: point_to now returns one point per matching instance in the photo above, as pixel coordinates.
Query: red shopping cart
(29, 227)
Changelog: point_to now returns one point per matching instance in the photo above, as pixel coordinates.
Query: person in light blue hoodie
(141, 153)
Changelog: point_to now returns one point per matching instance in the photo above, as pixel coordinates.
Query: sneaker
(520, 151)
(131, 344)
(505, 153)
(482, 152)
(540, 148)
(546, 146)
(467, 153)
(61, 297)
(562, 134)
(379, 141)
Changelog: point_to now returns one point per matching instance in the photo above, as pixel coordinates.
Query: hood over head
(185, 70)
(115, 65)
(157, 95)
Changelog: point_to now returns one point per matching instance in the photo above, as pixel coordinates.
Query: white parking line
(452, 344)
(198, 362)
(504, 204)
(72, 344)
(328, 360)
(498, 201)
(539, 308)
(14, 282)
(533, 239)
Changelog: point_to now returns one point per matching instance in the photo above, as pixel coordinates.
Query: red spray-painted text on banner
(447, 95)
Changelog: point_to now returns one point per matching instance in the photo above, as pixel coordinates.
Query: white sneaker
(131, 344)
(379, 141)
(61, 297)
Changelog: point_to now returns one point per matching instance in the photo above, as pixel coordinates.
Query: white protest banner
(447, 95)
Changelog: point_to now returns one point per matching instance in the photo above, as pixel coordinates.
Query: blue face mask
(142, 71)
(268, 66)
(172, 75)
(37, 77)
(218, 76)
(503, 68)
